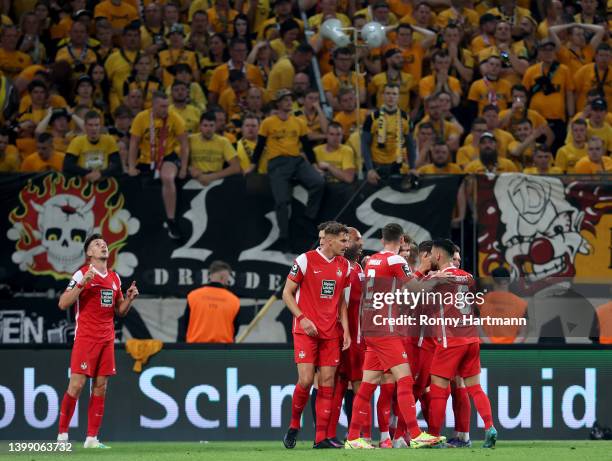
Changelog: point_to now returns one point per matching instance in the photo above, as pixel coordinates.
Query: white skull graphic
(64, 222)
(542, 229)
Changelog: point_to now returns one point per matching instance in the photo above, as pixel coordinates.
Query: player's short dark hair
(44, 137)
(218, 266)
(90, 239)
(425, 246)
(335, 228)
(90, 115)
(408, 239)
(392, 232)
(457, 248)
(323, 225)
(209, 116)
(445, 245)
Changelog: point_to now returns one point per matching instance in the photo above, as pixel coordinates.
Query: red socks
(461, 408)
(300, 398)
(482, 404)
(66, 412)
(339, 391)
(94, 415)
(361, 409)
(437, 408)
(405, 400)
(383, 406)
(324, 409)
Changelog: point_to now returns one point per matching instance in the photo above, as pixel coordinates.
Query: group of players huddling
(324, 293)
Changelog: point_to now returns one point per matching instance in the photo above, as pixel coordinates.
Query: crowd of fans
(115, 87)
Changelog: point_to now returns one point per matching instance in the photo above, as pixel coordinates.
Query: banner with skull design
(49, 216)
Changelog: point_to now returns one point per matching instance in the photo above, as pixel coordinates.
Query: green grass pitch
(570, 450)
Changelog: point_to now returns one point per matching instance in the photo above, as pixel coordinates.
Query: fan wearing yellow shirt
(440, 161)
(342, 76)
(245, 147)
(347, 115)
(395, 63)
(552, 90)
(595, 75)
(329, 10)
(542, 162)
(233, 98)
(574, 150)
(490, 89)
(597, 124)
(470, 152)
(77, 51)
(514, 56)
(119, 13)
(334, 159)
(413, 50)
(282, 134)
(439, 80)
(576, 52)
(490, 162)
(491, 115)
(281, 75)
(93, 155)
(12, 61)
(45, 158)
(385, 138)
(176, 54)
(521, 150)
(289, 33)
(486, 37)
(9, 155)
(120, 64)
(180, 104)
(155, 135)
(595, 162)
(209, 152)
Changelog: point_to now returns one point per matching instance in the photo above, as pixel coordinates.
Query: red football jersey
(321, 285)
(357, 277)
(457, 286)
(385, 272)
(95, 306)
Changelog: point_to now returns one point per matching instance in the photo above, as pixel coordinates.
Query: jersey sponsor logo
(294, 270)
(106, 298)
(328, 287)
(374, 262)
(54, 217)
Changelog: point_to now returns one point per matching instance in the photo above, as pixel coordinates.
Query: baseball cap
(84, 78)
(486, 134)
(280, 94)
(599, 104)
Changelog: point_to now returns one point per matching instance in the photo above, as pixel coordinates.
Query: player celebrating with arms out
(457, 353)
(314, 293)
(96, 290)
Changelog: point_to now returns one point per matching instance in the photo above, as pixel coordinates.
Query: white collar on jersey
(323, 256)
(100, 273)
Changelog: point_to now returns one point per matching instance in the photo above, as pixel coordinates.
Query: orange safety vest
(604, 316)
(212, 310)
(501, 304)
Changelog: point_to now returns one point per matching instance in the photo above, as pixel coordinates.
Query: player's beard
(352, 253)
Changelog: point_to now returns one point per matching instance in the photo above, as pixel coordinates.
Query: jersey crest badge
(302, 354)
(83, 365)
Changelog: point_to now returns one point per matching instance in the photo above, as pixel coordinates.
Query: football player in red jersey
(386, 271)
(351, 361)
(458, 352)
(314, 293)
(96, 290)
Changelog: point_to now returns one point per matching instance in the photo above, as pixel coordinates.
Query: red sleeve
(295, 274)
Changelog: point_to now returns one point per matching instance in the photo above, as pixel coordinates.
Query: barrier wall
(245, 394)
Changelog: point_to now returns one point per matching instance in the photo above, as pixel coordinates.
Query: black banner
(49, 216)
(245, 394)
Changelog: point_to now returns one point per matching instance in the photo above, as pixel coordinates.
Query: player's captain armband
(71, 284)
(294, 270)
(406, 269)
